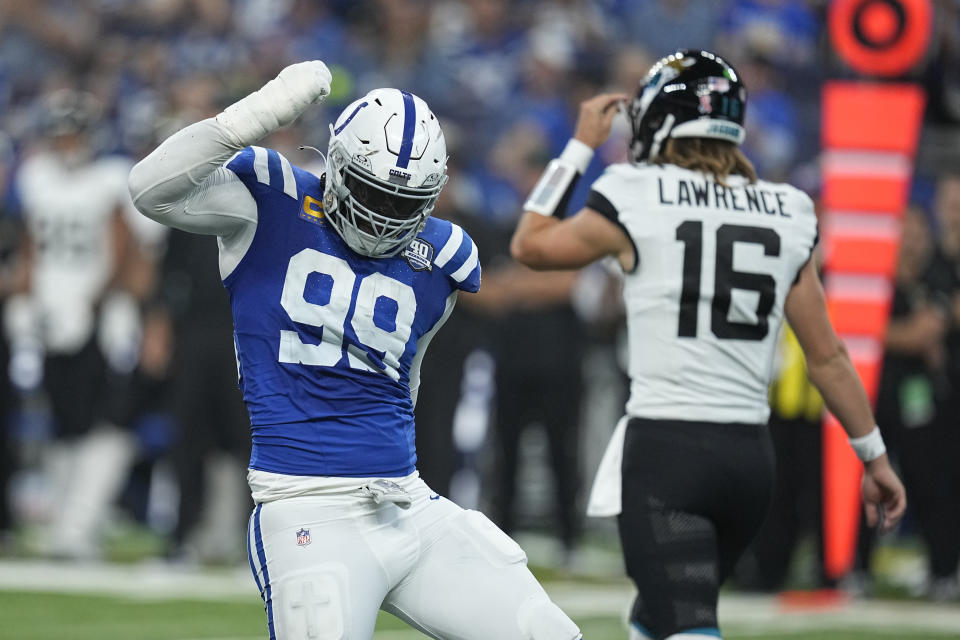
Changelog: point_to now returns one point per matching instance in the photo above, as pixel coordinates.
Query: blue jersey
(327, 340)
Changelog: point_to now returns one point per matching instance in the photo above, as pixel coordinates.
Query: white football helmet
(386, 165)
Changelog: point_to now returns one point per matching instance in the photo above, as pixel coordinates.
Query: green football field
(45, 600)
(53, 616)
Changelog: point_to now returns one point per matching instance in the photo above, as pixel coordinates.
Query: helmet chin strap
(662, 134)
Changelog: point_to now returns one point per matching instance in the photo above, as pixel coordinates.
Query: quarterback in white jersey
(337, 284)
(713, 262)
(716, 263)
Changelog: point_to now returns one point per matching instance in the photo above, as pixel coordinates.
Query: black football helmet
(688, 94)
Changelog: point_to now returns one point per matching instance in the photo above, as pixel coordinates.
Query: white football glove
(278, 103)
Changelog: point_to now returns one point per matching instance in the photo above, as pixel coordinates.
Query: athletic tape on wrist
(550, 196)
(275, 105)
(249, 119)
(869, 447)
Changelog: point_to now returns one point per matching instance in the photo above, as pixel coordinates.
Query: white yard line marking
(143, 581)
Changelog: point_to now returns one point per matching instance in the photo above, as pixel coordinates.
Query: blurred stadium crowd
(118, 388)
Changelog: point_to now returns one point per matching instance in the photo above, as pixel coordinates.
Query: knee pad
(540, 619)
(312, 605)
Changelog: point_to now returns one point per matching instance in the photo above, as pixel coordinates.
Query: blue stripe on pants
(262, 557)
(253, 568)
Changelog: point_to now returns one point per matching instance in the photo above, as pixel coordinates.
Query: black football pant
(210, 414)
(694, 496)
(795, 511)
(553, 399)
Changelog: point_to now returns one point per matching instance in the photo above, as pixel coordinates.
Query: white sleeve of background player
(146, 232)
(811, 213)
(808, 234)
(26, 180)
(601, 199)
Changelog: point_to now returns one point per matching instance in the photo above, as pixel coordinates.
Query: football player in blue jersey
(337, 283)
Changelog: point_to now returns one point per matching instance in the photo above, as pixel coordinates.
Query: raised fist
(308, 81)
(278, 103)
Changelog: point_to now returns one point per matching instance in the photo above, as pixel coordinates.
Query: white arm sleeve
(183, 184)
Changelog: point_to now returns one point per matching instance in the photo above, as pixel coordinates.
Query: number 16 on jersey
(726, 279)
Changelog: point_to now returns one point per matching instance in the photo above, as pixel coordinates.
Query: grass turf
(53, 616)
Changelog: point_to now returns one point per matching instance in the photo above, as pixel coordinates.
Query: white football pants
(326, 564)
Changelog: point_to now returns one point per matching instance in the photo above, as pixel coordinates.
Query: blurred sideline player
(212, 445)
(89, 259)
(796, 410)
(713, 259)
(10, 276)
(337, 283)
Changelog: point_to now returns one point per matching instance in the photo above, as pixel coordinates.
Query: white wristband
(577, 153)
(547, 196)
(869, 447)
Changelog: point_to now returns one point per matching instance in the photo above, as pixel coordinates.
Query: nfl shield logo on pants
(303, 537)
